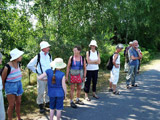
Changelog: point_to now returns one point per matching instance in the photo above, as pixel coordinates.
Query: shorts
(56, 103)
(14, 88)
(81, 74)
(114, 75)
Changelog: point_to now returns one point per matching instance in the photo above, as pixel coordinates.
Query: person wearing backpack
(39, 64)
(93, 60)
(2, 109)
(126, 67)
(76, 72)
(114, 73)
(12, 83)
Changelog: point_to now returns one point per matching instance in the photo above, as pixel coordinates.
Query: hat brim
(53, 65)
(45, 47)
(20, 54)
(92, 45)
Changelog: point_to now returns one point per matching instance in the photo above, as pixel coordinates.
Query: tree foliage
(65, 23)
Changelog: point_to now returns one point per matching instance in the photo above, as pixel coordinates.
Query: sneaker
(110, 90)
(41, 108)
(135, 85)
(116, 92)
(47, 105)
(73, 105)
(128, 87)
(88, 99)
(79, 102)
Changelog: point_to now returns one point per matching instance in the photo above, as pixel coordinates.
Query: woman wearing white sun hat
(12, 83)
(56, 86)
(93, 60)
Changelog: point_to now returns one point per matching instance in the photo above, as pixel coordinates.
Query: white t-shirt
(93, 56)
(1, 86)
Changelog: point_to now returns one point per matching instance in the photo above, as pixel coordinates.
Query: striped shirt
(15, 75)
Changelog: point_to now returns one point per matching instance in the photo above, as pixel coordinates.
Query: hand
(84, 79)
(65, 96)
(116, 66)
(66, 80)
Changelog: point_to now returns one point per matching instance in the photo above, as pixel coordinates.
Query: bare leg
(79, 90)
(72, 91)
(114, 88)
(51, 114)
(110, 85)
(58, 114)
(18, 106)
(11, 101)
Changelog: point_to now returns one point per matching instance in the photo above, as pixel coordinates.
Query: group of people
(51, 81)
(133, 55)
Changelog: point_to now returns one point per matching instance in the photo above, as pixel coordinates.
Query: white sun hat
(44, 44)
(58, 63)
(131, 43)
(93, 42)
(15, 53)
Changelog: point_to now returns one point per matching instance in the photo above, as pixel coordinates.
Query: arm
(32, 63)
(88, 60)
(4, 75)
(114, 60)
(139, 53)
(64, 86)
(42, 76)
(84, 70)
(99, 59)
(68, 68)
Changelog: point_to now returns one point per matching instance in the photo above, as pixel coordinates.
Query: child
(2, 113)
(56, 86)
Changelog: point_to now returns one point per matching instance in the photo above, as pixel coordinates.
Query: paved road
(141, 103)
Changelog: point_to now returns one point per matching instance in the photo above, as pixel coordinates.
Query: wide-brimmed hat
(15, 53)
(58, 63)
(44, 44)
(94, 43)
(119, 46)
(130, 43)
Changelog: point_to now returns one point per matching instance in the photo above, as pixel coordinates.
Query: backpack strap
(89, 52)
(71, 60)
(8, 71)
(50, 57)
(80, 60)
(38, 62)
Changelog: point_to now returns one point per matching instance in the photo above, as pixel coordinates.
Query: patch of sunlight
(149, 108)
(132, 115)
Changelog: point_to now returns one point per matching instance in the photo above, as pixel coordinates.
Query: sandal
(88, 99)
(110, 90)
(135, 85)
(95, 96)
(128, 87)
(116, 92)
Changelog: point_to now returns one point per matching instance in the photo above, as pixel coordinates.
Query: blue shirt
(133, 52)
(77, 66)
(55, 90)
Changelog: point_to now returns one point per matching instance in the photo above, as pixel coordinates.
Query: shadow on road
(139, 103)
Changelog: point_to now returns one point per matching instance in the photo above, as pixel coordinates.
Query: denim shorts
(56, 103)
(14, 88)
